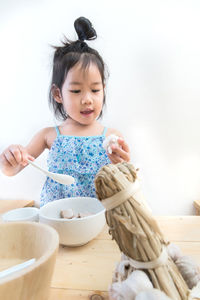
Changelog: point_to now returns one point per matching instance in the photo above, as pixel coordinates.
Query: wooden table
(82, 272)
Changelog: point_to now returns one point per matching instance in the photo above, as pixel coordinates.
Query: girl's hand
(14, 158)
(120, 153)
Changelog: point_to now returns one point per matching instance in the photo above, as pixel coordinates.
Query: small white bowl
(25, 214)
(77, 231)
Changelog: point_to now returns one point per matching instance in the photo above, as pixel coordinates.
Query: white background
(152, 49)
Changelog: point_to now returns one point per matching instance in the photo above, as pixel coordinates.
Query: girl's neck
(69, 127)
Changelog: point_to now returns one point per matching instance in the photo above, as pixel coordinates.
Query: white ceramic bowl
(22, 215)
(77, 231)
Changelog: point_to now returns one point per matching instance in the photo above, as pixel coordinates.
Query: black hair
(68, 55)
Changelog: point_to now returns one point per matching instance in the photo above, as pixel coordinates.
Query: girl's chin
(85, 121)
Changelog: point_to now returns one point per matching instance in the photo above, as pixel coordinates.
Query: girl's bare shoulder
(49, 131)
(44, 137)
(49, 135)
(113, 131)
(41, 140)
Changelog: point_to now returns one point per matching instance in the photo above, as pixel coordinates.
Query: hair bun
(84, 29)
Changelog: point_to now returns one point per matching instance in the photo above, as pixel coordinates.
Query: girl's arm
(119, 153)
(15, 157)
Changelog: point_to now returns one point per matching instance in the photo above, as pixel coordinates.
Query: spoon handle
(36, 166)
(60, 178)
(16, 268)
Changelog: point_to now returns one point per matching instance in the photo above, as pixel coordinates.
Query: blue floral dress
(78, 156)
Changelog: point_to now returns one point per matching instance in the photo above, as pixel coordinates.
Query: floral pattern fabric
(78, 156)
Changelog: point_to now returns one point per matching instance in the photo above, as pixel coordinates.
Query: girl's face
(82, 94)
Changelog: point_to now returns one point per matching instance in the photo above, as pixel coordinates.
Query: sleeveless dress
(78, 156)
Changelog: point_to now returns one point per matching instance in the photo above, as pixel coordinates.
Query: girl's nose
(87, 99)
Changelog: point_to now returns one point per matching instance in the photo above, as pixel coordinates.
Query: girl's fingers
(122, 152)
(25, 156)
(17, 155)
(30, 157)
(115, 159)
(14, 156)
(124, 155)
(15, 151)
(10, 158)
(123, 144)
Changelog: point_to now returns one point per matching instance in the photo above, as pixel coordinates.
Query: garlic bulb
(174, 251)
(109, 141)
(127, 290)
(195, 292)
(152, 294)
(186, 265)
(189, 270)
(123, 269)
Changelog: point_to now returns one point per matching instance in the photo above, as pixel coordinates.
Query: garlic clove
(152, 294)
(174, 251)
(67, 213)
(195, 292)
(136, 282)
(189, 270)
(110, 140)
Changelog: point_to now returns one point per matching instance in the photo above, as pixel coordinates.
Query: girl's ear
(56, 93)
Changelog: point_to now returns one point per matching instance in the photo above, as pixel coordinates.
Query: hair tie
(83, 45)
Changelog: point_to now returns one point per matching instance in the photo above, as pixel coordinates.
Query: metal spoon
(61, 178)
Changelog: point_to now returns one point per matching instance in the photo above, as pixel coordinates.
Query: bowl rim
(35, 211)
(53, 247)
(74, 219)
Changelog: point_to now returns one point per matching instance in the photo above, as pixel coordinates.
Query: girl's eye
(95, 91)
(75, 91)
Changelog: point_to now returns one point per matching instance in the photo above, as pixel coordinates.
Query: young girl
(77, 96)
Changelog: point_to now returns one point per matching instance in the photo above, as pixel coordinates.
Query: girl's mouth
(87, 112)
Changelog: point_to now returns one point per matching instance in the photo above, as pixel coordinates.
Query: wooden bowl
(20, 242)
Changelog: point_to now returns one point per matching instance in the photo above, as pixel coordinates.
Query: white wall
(152, 49)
